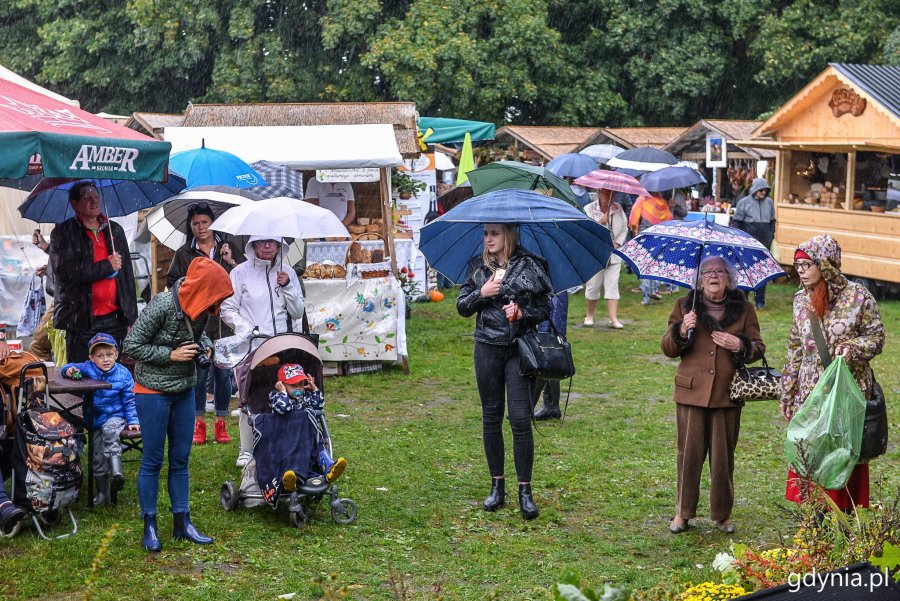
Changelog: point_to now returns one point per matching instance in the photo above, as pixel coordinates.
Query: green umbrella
(512, 174)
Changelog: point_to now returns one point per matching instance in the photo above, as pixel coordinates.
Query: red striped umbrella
(603, 179)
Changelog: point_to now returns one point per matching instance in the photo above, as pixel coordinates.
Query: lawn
(604, 482)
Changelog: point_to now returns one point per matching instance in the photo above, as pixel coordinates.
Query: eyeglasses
(713, 272)
(803, 265)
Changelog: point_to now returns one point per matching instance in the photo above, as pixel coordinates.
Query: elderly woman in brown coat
(713, 331)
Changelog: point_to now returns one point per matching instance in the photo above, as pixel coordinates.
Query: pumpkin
(436, 296)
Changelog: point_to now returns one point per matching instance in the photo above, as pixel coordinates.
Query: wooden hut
(633, 137)
(153, 124)
(744, 162)
(838, 144)
(540, 144)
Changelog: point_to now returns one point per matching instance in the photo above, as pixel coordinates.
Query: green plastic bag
(829, 426)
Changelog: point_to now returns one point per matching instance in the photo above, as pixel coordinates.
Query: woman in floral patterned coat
(852, 328)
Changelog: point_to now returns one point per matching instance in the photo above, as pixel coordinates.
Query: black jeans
(77, 340)
(496, 373)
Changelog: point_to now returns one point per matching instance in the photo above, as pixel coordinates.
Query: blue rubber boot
(330, 468)
(186, 530)
(151, 534)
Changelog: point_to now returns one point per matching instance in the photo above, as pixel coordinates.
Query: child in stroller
(292, 451)
(297, 398)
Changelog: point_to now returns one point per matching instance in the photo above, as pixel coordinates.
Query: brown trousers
(703, 432)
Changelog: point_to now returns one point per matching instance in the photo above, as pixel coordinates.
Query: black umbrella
(643, 159)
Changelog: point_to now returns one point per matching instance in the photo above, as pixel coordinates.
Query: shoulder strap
(816, 326)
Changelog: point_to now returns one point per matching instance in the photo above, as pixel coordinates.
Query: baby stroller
(45, 467)
(261, 366)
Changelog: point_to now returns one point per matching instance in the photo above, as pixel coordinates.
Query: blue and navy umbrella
(671, 178)
(49, 201)
(207, 167)
(574, 245)
(673, 250)
(571, 164)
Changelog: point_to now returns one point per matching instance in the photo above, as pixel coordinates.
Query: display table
(357, 320)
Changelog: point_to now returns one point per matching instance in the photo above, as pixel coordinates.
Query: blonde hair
(510, 241)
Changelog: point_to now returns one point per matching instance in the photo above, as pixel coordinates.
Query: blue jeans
(649, 287)
(221, 390)
(164, 415)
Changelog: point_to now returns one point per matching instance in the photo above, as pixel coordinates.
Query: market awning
(820, 146)
(299, 147)
(71, 142)
(448, 131)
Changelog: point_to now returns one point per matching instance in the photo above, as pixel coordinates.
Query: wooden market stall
(743, 162)
(357, 312)
(838, 167)
(632, 137)
(537, 144)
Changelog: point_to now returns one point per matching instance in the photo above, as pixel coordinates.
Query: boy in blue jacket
(113, 411)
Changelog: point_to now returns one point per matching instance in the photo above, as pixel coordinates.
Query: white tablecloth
(336, 252)
(364, 321)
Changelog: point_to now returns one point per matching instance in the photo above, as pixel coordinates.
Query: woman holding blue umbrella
(507, 289)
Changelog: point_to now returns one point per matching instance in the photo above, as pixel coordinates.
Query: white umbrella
(602, 152)
(281, 217)
(168, 221)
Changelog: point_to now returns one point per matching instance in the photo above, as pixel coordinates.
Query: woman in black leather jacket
(507, 289)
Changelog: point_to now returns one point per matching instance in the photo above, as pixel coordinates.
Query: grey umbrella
(281, 180)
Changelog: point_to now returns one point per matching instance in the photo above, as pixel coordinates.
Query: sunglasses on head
(199, 206)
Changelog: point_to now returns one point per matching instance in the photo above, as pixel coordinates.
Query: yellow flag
(466, 161)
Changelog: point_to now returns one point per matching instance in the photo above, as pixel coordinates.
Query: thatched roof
(153, 124)
(402, 115)
(633, 137)
(693, 140)
(548, 141)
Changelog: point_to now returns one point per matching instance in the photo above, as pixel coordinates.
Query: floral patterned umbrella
(672, 251)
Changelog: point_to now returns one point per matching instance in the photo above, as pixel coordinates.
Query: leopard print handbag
(755, 384)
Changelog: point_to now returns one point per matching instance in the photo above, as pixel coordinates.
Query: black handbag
(755, 383)
(545, 355)
(875, 428)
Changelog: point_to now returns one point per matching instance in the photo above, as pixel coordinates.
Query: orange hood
(206, 284)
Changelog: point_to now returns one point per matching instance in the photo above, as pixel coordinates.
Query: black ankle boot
(185, 529)
(151, 533)
(10, 515)
(497, 498)
(526, 502)
(550, 408)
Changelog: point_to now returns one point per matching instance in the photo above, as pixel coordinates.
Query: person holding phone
(221, 248)
(508, 291)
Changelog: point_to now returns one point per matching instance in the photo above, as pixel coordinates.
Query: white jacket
(258, 301)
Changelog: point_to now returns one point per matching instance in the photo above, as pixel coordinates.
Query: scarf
(654, 210)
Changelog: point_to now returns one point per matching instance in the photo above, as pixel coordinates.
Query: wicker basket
(360, 260)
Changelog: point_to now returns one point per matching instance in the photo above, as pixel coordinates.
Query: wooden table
(84, 389)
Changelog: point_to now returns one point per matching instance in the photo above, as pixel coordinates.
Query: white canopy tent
(299, 147)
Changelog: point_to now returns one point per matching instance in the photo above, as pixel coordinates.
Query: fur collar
(734, 308)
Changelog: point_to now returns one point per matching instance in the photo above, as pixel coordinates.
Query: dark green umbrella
(514, 175)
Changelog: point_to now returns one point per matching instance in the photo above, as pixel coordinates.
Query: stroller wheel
(51, 517)
(343, 511)
(12, 531)
(299, 518)
(229, 496)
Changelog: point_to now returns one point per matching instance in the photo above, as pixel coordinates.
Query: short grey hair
(732, 274)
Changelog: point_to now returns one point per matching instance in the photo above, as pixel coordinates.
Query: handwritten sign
(348, 175)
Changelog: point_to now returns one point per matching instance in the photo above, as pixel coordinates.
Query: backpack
(48, 448)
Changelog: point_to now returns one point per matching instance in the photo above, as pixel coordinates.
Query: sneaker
(337, 468)
(244, 458)
(588, 321)
(614, 324)
(10, 515)
(200, 432)
(656, 296)
(221, 433)
(289, 481)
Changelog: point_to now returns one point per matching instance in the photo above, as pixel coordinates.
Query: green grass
(604, 483)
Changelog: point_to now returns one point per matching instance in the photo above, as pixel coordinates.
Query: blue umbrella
(574, 245)
(671, 178)
(644, 158)
(49, 201)
(673, 250)
(572, 165)
(207, 167)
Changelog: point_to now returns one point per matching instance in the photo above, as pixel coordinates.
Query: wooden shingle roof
(548, 141)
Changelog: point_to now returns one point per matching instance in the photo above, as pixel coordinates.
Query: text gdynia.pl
(821, 581)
